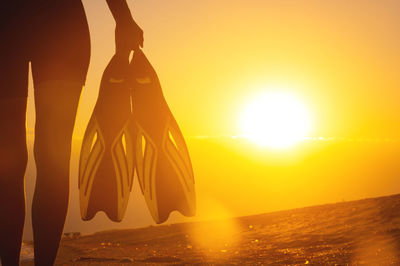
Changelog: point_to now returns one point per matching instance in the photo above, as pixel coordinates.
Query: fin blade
(123, 159)
(180, 168)
(146, 161)
(90, 159)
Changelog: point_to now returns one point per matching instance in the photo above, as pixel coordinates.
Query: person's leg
(14, 67)
(56, 106)
(13, 159)
(62, 52)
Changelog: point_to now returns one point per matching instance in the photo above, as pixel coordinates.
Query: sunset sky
(340, 58)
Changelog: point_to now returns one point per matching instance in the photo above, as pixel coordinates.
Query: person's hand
(128, 37)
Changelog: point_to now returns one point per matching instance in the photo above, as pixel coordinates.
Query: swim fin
(106, 164)
(163, 164)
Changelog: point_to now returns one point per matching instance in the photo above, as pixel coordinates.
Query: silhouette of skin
(53, 36)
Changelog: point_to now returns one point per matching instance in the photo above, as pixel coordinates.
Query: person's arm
(128, 35)
(120, 10)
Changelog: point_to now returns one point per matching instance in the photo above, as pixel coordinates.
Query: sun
(276, 120)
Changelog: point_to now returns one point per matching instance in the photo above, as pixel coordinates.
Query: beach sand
(364, 232)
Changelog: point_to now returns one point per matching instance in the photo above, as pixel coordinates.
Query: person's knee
(52, 158)
(13, 151)
(52, 151)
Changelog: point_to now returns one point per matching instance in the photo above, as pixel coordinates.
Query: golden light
(219, 234)
(276, 120)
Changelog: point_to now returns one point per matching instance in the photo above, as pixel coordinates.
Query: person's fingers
(138, 42)
(141, 42)
(141, 38)
(123, 49)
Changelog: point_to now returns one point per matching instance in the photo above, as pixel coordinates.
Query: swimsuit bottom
(52, 35)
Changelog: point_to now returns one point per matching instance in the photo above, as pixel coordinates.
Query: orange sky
(342, 58)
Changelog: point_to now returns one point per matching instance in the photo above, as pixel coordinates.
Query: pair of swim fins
(133, 130)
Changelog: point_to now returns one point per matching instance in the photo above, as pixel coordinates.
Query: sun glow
(276, 120)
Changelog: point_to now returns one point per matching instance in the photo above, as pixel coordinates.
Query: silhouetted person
(53, 36)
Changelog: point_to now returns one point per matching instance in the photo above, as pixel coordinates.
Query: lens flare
(218, 237)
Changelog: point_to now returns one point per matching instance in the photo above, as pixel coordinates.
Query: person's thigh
(14, 63)
(14, 66)
(60, 61)
(61, 43)
(13, 76)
